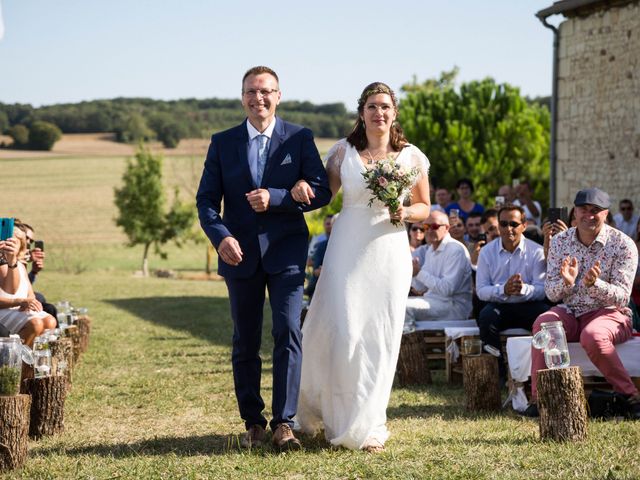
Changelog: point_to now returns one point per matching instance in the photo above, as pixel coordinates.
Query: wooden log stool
(562, 405)
(84, 327)
(73, 332)
(62, 358)
(481, 383)
(47, 405)
(14, 430)
(413, 361)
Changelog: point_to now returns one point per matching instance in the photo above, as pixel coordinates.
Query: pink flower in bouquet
(383, 182)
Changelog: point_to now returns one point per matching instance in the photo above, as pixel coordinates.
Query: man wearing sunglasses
(444, 278)
(510, 278)
(591, 269)
(625, 220)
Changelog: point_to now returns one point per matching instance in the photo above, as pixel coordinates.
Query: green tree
(141, 206)
(4, 122)
(20, 136)
(484, 131)
(133, 128)
(168, 130)
(43, 135)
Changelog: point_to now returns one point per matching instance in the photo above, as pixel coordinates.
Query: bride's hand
(302, 192)
(401, 214)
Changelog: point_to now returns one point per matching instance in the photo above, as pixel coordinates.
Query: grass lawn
(153, 397)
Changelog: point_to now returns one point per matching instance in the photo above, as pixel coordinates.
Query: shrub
(43, 135)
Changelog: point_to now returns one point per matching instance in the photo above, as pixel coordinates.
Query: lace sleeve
(333, 161)
(420, 161)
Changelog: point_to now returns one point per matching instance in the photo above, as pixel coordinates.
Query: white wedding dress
(352, 331)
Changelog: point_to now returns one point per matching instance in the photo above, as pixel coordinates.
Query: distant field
(67, 195)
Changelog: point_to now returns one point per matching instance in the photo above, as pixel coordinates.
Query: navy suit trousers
(247, 296)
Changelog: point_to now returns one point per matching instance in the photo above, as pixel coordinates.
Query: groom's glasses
(264, 92)
(432, 226)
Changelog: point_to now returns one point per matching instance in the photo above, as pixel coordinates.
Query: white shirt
(527, 213)
(627, 227)
(496, 265)
(446, 272)
(254, 144)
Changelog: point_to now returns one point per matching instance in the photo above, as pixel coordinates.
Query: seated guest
(443, 198)
(316, 239)
(590, 270)
(473, 226)
(416, 236)
(20, 312)
(318, 256)
(625, 220)
(35, 255)
(456, 229)
(510, 278)
(532, 208)
(465, 205)
(444, 279)
(506, 192)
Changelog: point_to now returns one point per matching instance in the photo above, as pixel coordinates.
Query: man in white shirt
(625, 220)
(510, 278)
(444, 278)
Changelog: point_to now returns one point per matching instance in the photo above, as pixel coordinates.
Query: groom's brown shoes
(284, 439)
(253, 437)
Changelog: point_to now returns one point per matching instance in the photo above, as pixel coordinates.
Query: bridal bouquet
(389, 182)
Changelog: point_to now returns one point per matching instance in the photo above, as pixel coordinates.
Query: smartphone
(454, 213)
(6, 228)
(557, 213)
(482, 237)
(515, 182)
(39, 244)
(499, 201)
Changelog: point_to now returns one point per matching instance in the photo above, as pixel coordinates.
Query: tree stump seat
(14, 430)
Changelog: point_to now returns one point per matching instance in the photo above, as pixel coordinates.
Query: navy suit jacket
(279, 236)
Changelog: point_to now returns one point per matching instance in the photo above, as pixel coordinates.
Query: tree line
(144, 119)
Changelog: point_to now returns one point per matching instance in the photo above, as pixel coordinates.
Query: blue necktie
(263, 151)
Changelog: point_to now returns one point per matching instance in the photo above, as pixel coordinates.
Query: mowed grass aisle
(153, 396)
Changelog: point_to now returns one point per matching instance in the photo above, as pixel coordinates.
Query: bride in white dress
(352, 332)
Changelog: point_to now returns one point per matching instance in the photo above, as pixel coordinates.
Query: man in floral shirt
(590, 269)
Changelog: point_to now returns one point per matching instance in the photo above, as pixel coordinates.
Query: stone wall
(598, 136)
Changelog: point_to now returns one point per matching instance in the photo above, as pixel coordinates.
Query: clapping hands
(513, 286)
(570, 268)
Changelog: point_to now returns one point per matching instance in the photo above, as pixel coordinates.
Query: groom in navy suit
(261, 168)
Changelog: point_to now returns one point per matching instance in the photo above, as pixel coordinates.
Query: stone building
(597, 136)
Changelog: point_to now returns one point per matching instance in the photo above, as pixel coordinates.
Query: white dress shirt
(446, 273)
(496, 265)
(254, 144)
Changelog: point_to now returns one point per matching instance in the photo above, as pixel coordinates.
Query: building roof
(572, 8)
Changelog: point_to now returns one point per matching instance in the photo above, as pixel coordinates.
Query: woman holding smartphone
(20, 312)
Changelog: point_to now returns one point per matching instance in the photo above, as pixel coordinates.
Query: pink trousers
(598, 331)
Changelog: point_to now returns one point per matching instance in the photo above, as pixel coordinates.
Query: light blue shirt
(252, 151)
(496, 265)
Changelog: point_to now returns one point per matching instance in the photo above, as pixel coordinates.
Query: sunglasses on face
(417, 229)
(505, 224)
(432, 226)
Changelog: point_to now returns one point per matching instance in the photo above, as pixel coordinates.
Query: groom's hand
(258, 199)
(229, 251)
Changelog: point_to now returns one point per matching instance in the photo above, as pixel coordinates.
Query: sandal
(373, 446)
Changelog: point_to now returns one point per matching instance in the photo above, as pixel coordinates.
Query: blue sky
(56, 51)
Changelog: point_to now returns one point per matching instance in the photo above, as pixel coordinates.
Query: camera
(482, 237)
